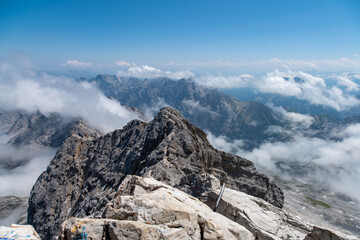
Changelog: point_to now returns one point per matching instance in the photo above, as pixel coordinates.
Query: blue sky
(158, 32)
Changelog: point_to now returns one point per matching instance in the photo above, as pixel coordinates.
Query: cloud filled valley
(332, 162)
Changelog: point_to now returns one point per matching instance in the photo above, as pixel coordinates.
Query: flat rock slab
(266, 221)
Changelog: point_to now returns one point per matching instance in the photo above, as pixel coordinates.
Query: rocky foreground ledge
(148, 209)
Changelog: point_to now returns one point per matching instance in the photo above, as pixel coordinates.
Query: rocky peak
(87, 171)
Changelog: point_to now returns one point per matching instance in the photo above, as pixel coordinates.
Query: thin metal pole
(219, 197)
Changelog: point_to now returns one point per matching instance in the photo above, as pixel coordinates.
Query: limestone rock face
(148, 209)
(86, 172)
(261, 218)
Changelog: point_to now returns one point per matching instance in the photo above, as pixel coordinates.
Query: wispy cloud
(123, 63)
(326, 65)
(296, 119)
(18, 181)
(76, 63)
(243, 80)
(197, 107)
(348, 82)
(146, 71)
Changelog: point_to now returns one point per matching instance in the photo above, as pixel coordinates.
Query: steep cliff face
(87, 171)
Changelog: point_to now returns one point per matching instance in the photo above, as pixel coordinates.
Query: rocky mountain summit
(87, 171)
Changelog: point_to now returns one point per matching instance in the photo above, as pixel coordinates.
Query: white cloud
(296, 118)
(150, 111)
(123, 64)
(196, 106)
(76, 63)
(356, 76)
(19, 181)
(146, 71)
(275, 82)
(326, 65)
(46, 93)
(308, 87)
(345, 81)
(223, 143)
(239, 81)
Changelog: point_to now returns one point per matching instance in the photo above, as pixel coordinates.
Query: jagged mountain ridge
(207, 108)
(86, 171)
(36, 131)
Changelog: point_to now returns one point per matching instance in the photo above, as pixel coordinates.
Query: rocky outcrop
(23, 135)
(19, 232)
(261, 218)
(86, 171)
(35, 129)
(148, 209)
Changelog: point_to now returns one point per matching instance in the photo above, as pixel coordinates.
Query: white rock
(264, 220)
(149, 209)
(19, 232)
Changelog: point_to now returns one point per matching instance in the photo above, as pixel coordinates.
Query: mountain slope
(207, 108)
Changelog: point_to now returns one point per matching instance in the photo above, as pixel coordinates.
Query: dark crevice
(106, 234)
(201, 225)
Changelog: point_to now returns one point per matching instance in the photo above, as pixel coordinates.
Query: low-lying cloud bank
(333, 162)
(26, 89)
(19, 180)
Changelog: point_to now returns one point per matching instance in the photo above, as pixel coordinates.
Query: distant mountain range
(289, 103)
(207, 108)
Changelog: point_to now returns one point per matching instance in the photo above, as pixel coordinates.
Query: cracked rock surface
(148, 209)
